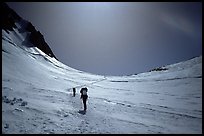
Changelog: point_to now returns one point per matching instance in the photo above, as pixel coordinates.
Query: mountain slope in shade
(37, 95)
(9, 20)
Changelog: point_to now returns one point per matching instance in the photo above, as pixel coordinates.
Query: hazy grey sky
(117, 38)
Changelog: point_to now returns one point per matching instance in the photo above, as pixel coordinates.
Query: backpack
(84, 91)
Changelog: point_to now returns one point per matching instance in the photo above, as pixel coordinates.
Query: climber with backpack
(84, 96)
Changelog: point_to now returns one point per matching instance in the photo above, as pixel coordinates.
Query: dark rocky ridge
(8, 19)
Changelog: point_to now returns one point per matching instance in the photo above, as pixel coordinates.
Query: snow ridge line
(177, 78)
(174, 113)
(6, 51)
(8, 40)
(152, 80)
(89, 83)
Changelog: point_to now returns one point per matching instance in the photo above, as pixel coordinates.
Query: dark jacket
(83, 92)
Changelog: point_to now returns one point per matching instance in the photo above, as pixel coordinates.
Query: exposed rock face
(9, 17)
(37, 39)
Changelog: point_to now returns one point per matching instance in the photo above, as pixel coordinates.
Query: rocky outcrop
(9, 17)
(38, 40)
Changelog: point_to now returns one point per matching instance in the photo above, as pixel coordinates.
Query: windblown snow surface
(37, 95)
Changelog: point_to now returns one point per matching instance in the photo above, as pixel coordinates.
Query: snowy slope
(37, 95)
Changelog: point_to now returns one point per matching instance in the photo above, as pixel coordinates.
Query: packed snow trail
(85, 85)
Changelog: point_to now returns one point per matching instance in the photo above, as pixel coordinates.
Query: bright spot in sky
(100, 4)
(97, 5)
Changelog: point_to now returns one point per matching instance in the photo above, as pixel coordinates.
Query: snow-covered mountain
(8, 19)
(37, 94)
